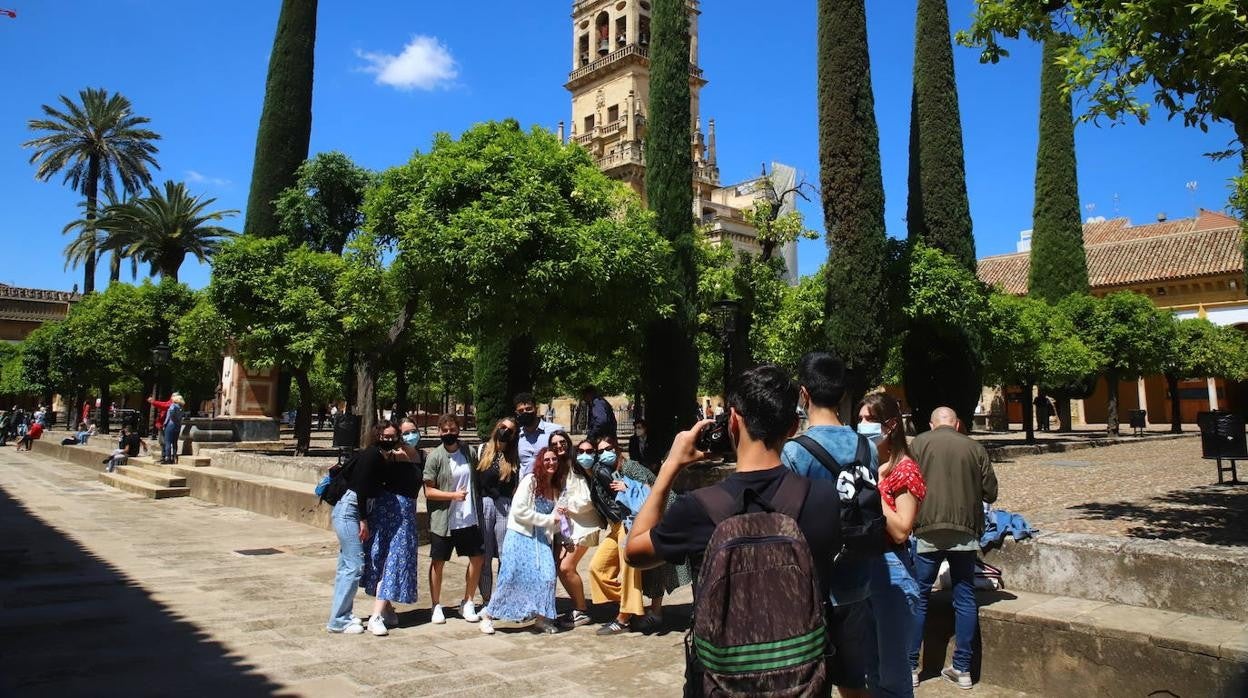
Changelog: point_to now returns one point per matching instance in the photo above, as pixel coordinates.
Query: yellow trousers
(611, 578)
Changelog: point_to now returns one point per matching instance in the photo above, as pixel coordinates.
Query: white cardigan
(524, 516)
(581, 512)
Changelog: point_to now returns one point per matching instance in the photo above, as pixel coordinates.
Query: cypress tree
(286, 121)
(502, 368)
(853, 195)
(669, 359)
(940, 364)
(938, 211)
(1059, 266)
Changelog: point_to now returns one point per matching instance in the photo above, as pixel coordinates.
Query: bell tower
(610, 86)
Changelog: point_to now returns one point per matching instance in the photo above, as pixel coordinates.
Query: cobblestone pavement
(1159, 489)
(105, 593)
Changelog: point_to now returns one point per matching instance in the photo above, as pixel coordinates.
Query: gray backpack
(758, 621)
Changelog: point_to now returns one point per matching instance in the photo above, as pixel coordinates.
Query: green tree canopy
(325, 207)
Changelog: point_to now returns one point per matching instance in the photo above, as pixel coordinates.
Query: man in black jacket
(601, 420)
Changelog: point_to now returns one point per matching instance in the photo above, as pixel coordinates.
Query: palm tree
(162, 228)
(95, 141)
(91, 240)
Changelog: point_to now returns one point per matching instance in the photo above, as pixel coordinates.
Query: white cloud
(198, 178)
(424, 64)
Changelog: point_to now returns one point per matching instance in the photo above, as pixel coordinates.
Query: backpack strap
(718, 504)
(863, 456)
(791, 494)
(821, 454)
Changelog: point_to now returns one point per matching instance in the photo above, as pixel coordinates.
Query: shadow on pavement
(72, 624)
(1211, 514)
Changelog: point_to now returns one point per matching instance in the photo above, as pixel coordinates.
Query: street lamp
(727, 311)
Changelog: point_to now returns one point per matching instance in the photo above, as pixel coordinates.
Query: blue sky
(197, 70)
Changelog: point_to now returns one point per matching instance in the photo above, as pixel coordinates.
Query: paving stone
(1198, 635)
(1058, 612)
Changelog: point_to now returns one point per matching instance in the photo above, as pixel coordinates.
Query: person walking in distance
(454, 502)
(601, 420)
(959, 479)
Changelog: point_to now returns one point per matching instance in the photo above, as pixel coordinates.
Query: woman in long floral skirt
(390, 569)
(525, 591)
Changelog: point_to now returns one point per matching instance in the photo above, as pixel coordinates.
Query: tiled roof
(37, 294)
(1120, 254)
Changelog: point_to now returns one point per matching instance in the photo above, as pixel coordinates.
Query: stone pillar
(249, 400)
(1213, 393)
(634, 22)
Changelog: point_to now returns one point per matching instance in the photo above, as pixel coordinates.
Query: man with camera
(761, 416)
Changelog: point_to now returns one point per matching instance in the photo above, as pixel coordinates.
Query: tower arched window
(602, 33)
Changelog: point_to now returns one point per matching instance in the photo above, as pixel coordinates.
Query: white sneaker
(352, 628)
(439, 617)
(961, 679)
(469, 612)
(487, 626)
(914, 678)
(390, 618)
(377, 626)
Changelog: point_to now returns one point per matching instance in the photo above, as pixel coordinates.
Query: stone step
(144, 473)
(1169, 575)
(147, 489)
(1057, 646)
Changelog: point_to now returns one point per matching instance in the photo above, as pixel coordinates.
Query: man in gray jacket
(959, 479)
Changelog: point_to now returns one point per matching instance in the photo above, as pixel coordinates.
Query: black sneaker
(612, 628)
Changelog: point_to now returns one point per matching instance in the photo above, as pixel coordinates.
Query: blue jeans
(894, 597)
(346, 519)
(170, 445)
(965, 607)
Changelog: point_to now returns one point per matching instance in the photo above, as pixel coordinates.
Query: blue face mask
(874, 431)
(411, 439)
(585, 460)
(607, 458)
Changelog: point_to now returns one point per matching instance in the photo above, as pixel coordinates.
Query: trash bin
(1138, 420)
(1222, 437)
(347, 431)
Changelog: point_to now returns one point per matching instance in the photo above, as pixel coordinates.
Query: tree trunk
(1065, 421)
(1029, 415)
(1111, 412)
(303, 418)
(348, 381)
(365, 396)
(400, 384)
(1176, 417)
(114, 268)
(145, 412)
(91, 191)
(106, 399)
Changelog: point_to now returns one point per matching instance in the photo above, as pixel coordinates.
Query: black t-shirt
(686, 528)
(130, 442)
(492, 484)
(405, 477)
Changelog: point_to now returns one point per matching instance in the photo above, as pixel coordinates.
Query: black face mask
(449, 439)
(526, 419)
(504, 434)
(387, 444)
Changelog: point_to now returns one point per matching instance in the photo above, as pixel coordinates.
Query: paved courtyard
(105, 593)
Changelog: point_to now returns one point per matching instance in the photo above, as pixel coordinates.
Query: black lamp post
(727, 312)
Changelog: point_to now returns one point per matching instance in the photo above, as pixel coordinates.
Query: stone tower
(610, 86)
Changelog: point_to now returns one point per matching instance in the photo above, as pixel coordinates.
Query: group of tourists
(870, 518)
(24, 427)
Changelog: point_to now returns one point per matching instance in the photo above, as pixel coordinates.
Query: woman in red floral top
(894, 590)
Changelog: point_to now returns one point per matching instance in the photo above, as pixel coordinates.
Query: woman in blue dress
(390, 570)
(525, 591)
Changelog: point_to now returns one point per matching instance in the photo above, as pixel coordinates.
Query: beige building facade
(610, 87)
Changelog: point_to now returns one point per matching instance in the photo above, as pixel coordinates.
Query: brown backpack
(758, 623)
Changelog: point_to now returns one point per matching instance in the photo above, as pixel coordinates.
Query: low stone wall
(282, 467)
(1059, 646)
(1005, 453)
(1178, 576)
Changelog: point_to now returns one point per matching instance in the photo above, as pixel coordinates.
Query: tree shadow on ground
(73, 624)
(1211, 514)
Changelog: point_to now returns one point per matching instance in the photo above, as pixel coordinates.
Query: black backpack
(336, 482)
(758, 613)
(862, 515)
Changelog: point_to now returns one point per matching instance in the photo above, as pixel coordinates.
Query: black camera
(714, 437)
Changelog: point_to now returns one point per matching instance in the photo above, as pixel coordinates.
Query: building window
(583, 49)
(602, 27)
(643, 31)
(613, 113)
(589, 124)
(621, 32)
